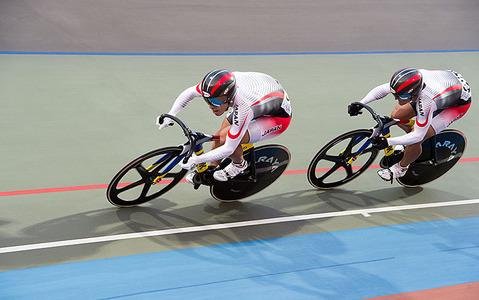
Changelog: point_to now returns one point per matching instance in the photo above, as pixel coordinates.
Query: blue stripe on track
(230, 53)
(349, 264)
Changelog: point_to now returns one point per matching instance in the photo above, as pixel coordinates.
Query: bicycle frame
(197, 139)
(383, 126)
(386, 132)
(133, 184)
(198, 151)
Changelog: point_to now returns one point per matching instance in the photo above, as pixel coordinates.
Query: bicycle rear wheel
(439, 154)
(135, 183)
(330, 168)
(271, 161)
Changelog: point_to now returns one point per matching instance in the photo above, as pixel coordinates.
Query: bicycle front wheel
(332, 165)
(146, 178)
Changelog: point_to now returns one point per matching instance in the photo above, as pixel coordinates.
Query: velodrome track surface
(81, 89)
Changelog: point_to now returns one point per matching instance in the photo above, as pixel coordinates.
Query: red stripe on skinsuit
(274, 94)
(234, 136)
(454, 87)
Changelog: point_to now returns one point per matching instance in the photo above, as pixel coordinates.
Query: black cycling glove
(354, 109)
(380, 142)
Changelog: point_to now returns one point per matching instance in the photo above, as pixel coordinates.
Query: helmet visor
(403, 96)
(214, 101)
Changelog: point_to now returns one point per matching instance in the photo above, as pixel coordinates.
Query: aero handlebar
(190, 134)
(376, 117)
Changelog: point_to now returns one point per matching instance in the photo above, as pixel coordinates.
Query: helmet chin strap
(232, 101)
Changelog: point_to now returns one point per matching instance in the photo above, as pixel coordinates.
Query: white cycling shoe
(393, 172)
(190, 177)
(230, 171)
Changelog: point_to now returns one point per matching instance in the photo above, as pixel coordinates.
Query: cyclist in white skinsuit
(260, 110)
(437, 98)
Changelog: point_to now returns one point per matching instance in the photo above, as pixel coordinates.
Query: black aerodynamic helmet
(406, 83)
(218, 83)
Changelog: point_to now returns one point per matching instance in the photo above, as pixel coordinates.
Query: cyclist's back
(444, 88)
(262, 93)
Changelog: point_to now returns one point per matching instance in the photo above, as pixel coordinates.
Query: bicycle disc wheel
(330, 168)
(271, 162)
(135, 183)
(439, 154)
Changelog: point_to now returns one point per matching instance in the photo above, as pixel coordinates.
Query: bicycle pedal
(391, 177)
(388, 161)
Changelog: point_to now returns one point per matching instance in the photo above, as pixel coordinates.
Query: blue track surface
(349, 264)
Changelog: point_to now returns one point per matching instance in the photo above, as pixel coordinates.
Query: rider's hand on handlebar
(190, 163)
(354, 109)
(379, 142)
(166, 122)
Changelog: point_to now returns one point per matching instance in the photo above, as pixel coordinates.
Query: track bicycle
(155, 173)
(349, 155)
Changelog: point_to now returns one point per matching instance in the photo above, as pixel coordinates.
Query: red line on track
(104, 186)
(465, 291)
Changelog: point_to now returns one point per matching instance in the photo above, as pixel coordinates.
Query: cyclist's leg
(448, 116)
(222, 134)
(237, 156)
(238, 165)
(404, 110)
(259, 129)
(267, 127)
(407, 110)
(440, 122)
(412, 152)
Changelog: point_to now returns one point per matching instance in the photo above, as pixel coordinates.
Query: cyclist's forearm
(376, 93)
(413, 137)
(223, 151)
(217, 154)
(183, 100)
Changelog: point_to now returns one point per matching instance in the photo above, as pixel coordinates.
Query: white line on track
(364, 212)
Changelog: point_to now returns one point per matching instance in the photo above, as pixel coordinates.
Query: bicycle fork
(165, 158)
(201, 167)
(388, 151)
(206, 178)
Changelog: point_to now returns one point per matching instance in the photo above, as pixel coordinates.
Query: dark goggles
(403, 96)
(214, 101)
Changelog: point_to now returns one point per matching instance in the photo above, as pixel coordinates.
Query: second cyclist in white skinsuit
(260, 110)
(436, 97)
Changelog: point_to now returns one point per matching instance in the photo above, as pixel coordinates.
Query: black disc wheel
(141, 180)
(270, 160)
(333, 164)
(439, 154)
